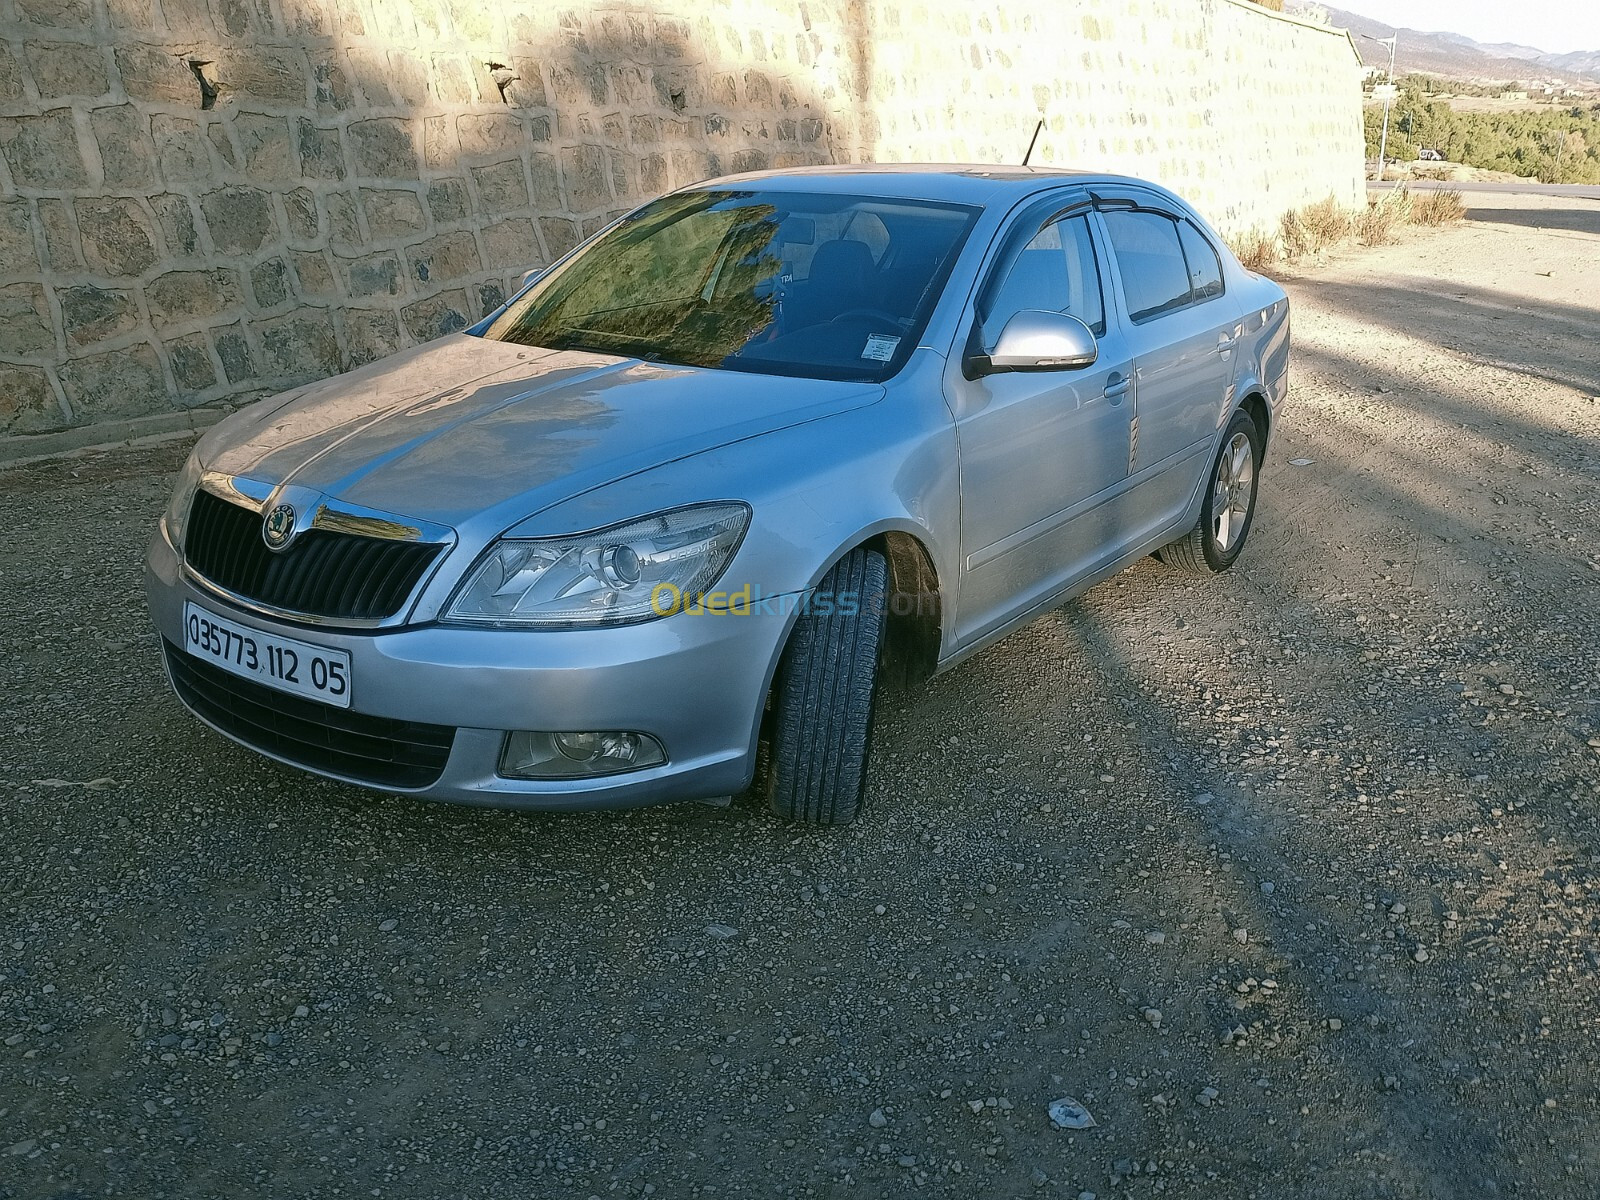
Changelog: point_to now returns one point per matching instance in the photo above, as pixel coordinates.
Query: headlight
(177, 515)
(630, 572)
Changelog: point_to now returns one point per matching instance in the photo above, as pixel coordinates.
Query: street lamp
(1388, 96)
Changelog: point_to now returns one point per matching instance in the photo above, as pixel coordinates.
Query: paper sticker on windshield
(880, 346)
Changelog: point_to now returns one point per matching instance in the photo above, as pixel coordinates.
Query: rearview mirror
(1035, 340)
(529, 276)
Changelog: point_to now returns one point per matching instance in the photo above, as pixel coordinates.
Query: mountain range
(1454, 56)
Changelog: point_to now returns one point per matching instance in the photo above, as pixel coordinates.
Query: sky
(1554, 25)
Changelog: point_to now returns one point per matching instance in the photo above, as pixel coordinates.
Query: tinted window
(1205, 268)
(821, 286)
(1056, 272)
(1155, 277)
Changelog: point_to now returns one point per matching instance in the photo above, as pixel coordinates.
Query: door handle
(1225, 343)
(1116, 388)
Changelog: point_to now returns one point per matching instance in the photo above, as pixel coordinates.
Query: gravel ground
(1290, 876)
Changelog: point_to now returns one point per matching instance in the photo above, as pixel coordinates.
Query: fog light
(533, 755)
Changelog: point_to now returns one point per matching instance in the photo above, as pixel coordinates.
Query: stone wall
(204, 201)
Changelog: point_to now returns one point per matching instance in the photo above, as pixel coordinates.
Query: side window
(1205, 268)
(1056, 271)
(1155, 277)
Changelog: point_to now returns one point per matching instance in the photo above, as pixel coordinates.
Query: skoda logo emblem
(278, 528)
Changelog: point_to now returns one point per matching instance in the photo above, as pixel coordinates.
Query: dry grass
(1376, 226)
(1437, 207)
(1256, 250)
(1327, 223)
(1298, 240)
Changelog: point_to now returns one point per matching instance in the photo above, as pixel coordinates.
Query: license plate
(289, 665)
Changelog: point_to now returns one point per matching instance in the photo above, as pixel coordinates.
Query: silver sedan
(675, 508)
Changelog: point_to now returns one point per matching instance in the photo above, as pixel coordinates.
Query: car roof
(962, 183)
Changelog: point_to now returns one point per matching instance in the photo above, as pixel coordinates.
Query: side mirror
(1035, 340)
(529, 276)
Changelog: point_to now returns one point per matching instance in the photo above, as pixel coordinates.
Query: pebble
(722, 932)
(1268, 887)
(1419, 955)
(877, 1120)
(20, 1148)
(1155, 937)
(1335, 1024)
(388, 926)
(1241, 935)
(1204, 798)
(1152, 1015)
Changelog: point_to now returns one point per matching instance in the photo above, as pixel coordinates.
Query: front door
(1042, 452)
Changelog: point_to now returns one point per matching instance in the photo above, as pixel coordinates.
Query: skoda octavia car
(676, 507)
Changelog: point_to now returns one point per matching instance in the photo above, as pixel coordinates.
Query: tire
(824, 693)
(1214, 544)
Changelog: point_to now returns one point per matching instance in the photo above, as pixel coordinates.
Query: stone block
(392, 212)
(546, 181)
(180, 150)
(241, 17)
(27, 401)
(444, 258)
(25, 320)
(42, 150)
(527, 89)
(300, 206)
(239, 218)
(473, 19)
(57, 14)
(60, 242)
(330, 85)
(452, 79)
(268, 153)
(490, 297)
(583, 169)
(447, 200)
(191, 364)
(321, 156)
(441, 147)
(119, 238)
(408, 79)
(501, 188)
(233, 349)
(343, 231)
(118, 383)
(314, 276)
(560, 235)
(10, 74)
(68, 69)
(370, 334)
(374, 275)
(269, 283)
(175, 218)
(512, 245)
(308, 19)
(257, 72)
(179, 297)
(217, 134)
(299, 347)
(489, 135)
(436, 316)
(384, 148)
(156, 76)
(370, 71)
(126, 151)
(91, 314)
(17, 250)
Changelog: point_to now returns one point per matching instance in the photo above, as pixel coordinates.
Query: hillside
(1457, 57)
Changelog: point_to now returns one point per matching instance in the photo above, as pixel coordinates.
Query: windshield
(819, 286)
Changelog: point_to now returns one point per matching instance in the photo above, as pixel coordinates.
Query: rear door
(1182, 328)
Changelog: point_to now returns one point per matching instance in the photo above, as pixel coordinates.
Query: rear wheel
(1230, 505)
(824, 694)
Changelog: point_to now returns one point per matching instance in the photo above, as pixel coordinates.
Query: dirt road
(1292, 877)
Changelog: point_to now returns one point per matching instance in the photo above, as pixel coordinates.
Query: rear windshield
(818, 286)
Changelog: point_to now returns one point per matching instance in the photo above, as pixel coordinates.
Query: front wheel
(824, 694)
(1230, 505)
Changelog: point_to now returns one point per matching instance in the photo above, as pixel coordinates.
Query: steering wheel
(876, 314)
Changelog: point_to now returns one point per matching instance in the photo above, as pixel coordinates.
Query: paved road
(1574, 191)
(1291, 876)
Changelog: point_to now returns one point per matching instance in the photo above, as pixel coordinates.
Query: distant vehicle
(666, 513)
(1426, 155)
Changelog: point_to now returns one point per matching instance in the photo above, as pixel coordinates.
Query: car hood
(465, 427)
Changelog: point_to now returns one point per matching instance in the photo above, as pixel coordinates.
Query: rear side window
(1205, 268)
(1055, 272)
(1155, 275)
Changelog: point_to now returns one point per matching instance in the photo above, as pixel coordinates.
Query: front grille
(324, 574)
(376, 750)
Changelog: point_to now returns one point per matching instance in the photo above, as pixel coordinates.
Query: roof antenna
(1037, 130)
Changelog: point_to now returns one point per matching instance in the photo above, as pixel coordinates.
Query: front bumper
(695, 682)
